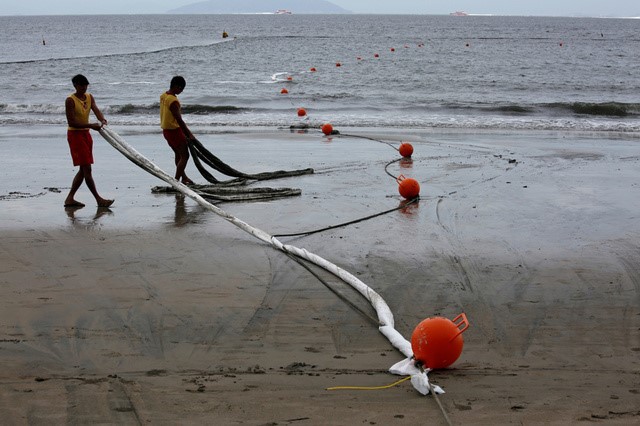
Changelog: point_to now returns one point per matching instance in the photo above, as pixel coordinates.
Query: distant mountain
(260, 6)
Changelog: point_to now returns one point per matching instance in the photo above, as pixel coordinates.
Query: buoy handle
(400, 178)
(460, 320)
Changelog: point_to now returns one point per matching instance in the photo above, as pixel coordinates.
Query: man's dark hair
(80, 80)
(178, 81)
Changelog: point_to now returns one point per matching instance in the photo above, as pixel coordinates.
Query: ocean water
(443, 72)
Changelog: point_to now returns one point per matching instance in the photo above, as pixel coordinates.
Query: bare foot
(73, 203)
(105, 203)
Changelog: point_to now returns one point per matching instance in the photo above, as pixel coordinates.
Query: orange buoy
(393, 49)
(561, 44)
(376, 56)
(327, 129)
(301, 112)
(406, 149)
(409, 188)
(437, 342)
(359, 58)
(313, 69)
(467, 45)
(338, 64)
(284, 91)
(289, 78)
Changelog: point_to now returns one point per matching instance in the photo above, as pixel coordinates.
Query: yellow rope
(369, 387)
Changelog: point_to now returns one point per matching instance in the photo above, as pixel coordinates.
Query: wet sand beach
(156, 311)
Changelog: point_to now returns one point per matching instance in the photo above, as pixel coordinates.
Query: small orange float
(409, 188)
(406, 149)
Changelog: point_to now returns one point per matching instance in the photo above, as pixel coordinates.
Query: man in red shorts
(77, 107)
(174, 128)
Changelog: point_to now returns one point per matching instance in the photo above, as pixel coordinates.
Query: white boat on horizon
(283, 12)
(459, 13)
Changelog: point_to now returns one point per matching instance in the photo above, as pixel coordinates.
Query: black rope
(402, 206)
(372, 139)
(386, 143)
(199, 152)
(342, 297)
(390, 163)
(214, 161)
(196, 160)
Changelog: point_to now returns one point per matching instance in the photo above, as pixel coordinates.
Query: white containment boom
(385, 317)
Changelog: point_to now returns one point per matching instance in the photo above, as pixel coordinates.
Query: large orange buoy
(406, 149)
(327, 129)
(284, 91)
(409, 188)
(301, 112)
(437, 342)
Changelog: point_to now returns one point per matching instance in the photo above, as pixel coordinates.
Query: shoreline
(49, 130)
(161, 312)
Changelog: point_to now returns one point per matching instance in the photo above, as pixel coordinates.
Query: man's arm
(175, 110)
(97, 112)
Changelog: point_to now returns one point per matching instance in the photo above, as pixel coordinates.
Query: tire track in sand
(487, 291)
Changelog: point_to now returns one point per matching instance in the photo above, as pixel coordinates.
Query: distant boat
(459, 13)
(283, 12)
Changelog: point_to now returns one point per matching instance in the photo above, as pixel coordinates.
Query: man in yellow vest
(174, 129)
(78, 106)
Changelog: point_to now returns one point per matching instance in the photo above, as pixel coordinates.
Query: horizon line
(350, 13)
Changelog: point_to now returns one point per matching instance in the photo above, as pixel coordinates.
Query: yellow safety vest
(167, 120)
(82, 108)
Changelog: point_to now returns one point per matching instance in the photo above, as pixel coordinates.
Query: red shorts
(175, 138)
(81, 147)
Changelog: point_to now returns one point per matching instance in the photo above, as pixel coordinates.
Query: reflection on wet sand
(409, 207)
(406, 163)
(183, 216)
(86, 222)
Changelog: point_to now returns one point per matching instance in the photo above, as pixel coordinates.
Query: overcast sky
(499, 7)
